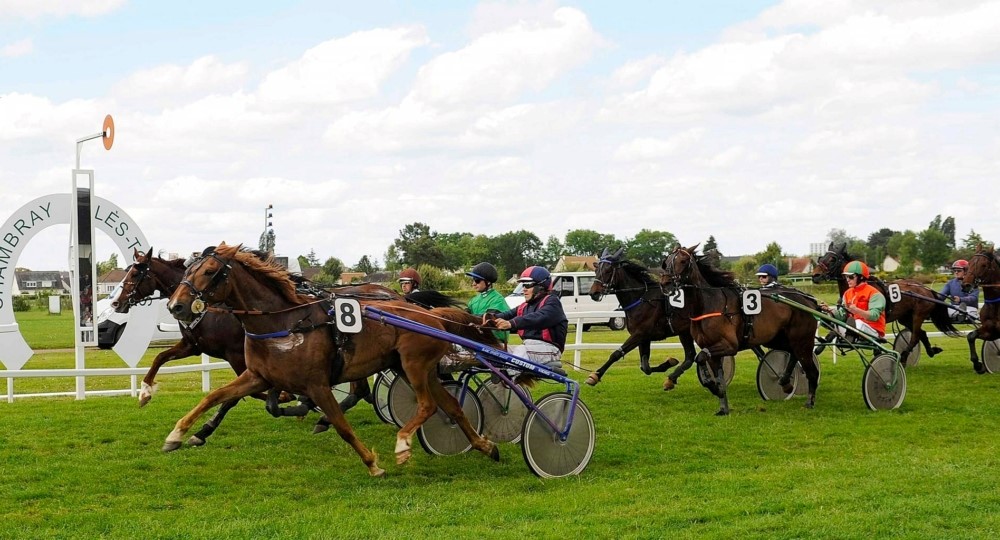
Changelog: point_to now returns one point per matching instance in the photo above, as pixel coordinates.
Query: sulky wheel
(991, 356)
(440, 435)
(900, 344)
(402, 401)
(503, 412)
(728, 371)
(380, 395)
(769, 372)
(546, 454)
(801, 381)
(884, 383)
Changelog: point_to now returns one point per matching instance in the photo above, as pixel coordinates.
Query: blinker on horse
(308, 355)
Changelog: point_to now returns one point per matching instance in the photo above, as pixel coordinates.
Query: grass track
(664, 467)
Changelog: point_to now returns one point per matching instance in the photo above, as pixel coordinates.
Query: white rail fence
(577, 346)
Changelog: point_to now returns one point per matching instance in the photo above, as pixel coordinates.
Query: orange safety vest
(859, 297)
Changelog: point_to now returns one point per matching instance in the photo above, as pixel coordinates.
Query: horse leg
(247, 383)
(973, 356)
(644, 354)
(616, 355)
(918, 323)
(689, 355)
(425, 408)
(812, 373)
(786, 376)
(180, 350)
(198, 439)
(715, 362)
(322, 396)
(823, 342)
(450, 405)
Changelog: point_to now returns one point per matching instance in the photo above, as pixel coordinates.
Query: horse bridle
(677, 279)
(826, 269)
(218, 278)
(992, 258)
(142, 270)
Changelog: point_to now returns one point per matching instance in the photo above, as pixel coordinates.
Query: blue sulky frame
(549, 463)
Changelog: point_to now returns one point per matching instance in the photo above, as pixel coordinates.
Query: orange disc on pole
(109, 132)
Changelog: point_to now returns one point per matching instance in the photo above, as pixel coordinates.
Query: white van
(111, 324)
(573, 289)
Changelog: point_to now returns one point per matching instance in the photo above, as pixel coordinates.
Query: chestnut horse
(648, 316)
(713, 303)
(984, 272)
(910, 311)
(292, 344)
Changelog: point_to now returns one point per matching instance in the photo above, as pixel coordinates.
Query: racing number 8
(348, 315)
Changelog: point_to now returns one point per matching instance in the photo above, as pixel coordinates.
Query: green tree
(710, 245)
(648, 247)
(948, 228)
(417, 245)
(745, 268)
(366, 265)
(393, 261)
(456, 248)
(933, 248)
(108, 265)
(972, 241)
(587, 242)
(312, 261)
(333, 267)
(552, 251)
(515, 251)
(909, 251)
(772, 255)
(303, 262)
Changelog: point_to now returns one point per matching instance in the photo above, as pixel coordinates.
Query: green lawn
(664, 466)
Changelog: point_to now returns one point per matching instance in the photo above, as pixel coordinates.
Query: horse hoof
(320, 428)
(787, 388)
(143, 400)
(722, 412)
(196, 441)
(671, 362)
(808, 405)
(170, 446)
(402, 457)
(377, 472)
(495, 453)
(979, 368)
(668, 385)
(934, 350)
(593, 379)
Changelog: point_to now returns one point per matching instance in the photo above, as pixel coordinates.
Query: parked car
(111, 324)
(573, 289)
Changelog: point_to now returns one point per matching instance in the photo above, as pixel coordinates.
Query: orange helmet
(410, 274)
(857, 267)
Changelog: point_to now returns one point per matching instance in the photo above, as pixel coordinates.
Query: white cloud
(206, 75)
(652, 148)
(342, 70)
(18, 48)
(30, 9)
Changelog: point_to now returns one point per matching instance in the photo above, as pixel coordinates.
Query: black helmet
(484, 271)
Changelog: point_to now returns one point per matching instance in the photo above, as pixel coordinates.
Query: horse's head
(136, 285)
(677, 267)
(206, 281)
(983, 267)
(830, 265)
(605, 271)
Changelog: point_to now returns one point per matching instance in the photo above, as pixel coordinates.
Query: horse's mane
(177, 264)
(277, 277)
(713, 275)
(638, 271)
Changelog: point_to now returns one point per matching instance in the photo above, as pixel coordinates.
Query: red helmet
(960, 264)
(536, 275)
(857, 267)
(410, 274)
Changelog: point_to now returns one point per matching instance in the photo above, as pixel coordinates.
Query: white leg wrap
(402, 445)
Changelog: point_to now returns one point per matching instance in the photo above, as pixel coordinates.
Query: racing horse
(984, 272)
(648, 316)
(910, 310)
(217, 334)
(713, 303)
(292, 344)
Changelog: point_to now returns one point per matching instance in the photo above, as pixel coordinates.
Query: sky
(749, 121)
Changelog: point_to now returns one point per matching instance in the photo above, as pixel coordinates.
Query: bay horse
(713, 304)
(910, 311)
(984, 272)
(217, 334)
(292, 344)
(648, 316)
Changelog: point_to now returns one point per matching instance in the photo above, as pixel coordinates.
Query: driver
(540, 320)
(966, 302)
(862, 306)
(767, 274)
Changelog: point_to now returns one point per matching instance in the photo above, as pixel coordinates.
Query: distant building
(891, 264)
(818, 248)
(346, 278)
(30, 282)
(110, 280)
(569, 263)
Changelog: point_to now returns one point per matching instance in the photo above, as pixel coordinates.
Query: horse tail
(942, 320)
(462, 323)
(432, 299)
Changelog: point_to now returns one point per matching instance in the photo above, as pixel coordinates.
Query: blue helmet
(768, 270)
(535, 275)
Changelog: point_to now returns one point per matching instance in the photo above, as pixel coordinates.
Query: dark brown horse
(713, 303)
(292, 344)
(910, 311)
(648, 316)
(984, 272)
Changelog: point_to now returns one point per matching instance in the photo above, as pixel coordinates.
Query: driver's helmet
(484, 271)
(857, 267)
(768, 270)
(410, 275)
(960, 264)
(535, 276)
